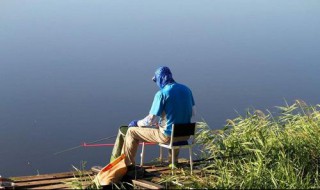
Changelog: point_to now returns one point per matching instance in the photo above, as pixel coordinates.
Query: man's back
(176, 102)
(179, 102)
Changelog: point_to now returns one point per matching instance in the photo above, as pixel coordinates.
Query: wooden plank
(49, 176)
(56, 186)
(158, 169)
(155, 179)
(146, 184)
(84, 178)
(178, 171)
(62, 186)
(52, 181)
(43, 176)
(38, 183)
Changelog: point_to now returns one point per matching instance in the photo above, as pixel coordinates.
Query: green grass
(260, 150)
(82, 179)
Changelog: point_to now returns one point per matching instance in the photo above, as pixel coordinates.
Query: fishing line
(30, 163)
(76, 147)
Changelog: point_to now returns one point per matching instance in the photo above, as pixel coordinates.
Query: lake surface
(74, 71)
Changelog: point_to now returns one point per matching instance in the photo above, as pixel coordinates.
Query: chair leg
(160, 157)
(172, 160)
(142, 155)
(191, 161)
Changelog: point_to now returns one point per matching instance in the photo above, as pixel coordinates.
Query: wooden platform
(74, 180)
(83, 179)
(64, 180)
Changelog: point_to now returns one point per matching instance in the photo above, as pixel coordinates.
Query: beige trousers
(140, 134)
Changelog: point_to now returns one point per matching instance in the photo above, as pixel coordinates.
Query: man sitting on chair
(172, 104)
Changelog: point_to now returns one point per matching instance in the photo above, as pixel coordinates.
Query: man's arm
(149, 120)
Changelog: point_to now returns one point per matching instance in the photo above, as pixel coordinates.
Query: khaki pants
(141, 134)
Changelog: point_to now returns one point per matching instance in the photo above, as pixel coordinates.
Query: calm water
(74, 71)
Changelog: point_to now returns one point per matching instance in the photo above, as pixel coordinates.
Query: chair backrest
(185, 129)
(181, 133)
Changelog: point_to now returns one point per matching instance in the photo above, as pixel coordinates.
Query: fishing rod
(94, 144)
(111, 144)
(83, 145)
(30, 163)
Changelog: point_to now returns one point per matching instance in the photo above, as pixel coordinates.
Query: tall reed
(264, 151)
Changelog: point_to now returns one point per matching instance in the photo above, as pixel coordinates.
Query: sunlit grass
(82, 180)
(260, 150)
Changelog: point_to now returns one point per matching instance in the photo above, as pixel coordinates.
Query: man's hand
(133, 123)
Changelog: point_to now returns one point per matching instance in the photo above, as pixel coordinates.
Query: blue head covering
(163, 76)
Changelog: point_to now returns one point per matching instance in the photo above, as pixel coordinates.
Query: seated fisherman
(173, 103)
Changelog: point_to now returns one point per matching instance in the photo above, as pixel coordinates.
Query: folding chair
(178, 131)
